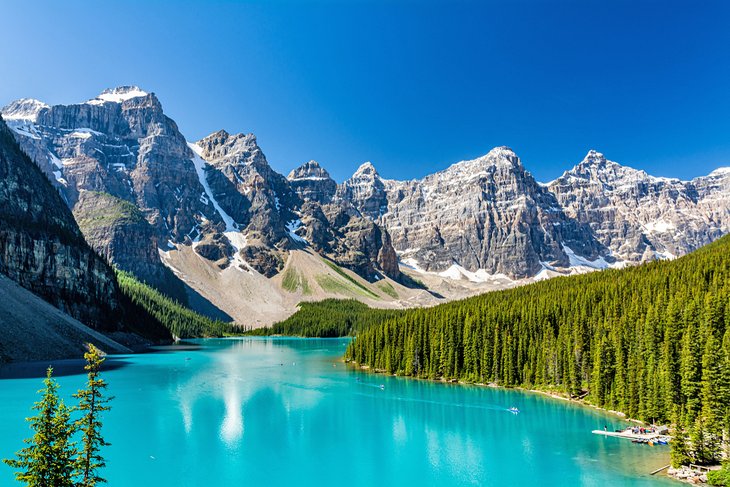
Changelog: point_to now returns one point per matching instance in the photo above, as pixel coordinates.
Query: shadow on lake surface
(61, 368)
(75, 366)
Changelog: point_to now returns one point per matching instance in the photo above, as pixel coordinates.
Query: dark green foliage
(647, 341)
(51, 459)
(328, 318)
(719, 477)
(48, 460)
(182, 322)
(91, 404)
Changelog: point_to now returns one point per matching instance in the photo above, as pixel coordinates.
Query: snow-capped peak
(721, 171)
(501, 151)
(501, 156)
(23, 109)
(366, 168)
(119, 94)
(594, 157)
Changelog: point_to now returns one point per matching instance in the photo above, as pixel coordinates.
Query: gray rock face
(121, 234)
(366, 190)
(311, 182)
(487, 214)
(641, 217)
(262, 198)
(120, 144)
(278, 214)
(42, 249)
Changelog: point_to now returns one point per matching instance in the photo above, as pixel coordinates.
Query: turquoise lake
(284, 412)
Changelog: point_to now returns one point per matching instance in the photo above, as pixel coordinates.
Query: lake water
(284, 412)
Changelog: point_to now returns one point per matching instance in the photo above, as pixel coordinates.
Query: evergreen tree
(91, 403)
(679, 447)
(47, 461)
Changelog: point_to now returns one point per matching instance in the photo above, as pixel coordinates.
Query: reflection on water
(288, 412)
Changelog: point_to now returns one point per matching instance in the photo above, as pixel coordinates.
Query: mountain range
(211, 224)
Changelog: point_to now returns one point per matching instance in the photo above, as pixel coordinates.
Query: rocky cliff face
(277, 214)
(121, 234)
(119, 144)
(641, 217)
(311, 182)
(487, 214)
(41, 247)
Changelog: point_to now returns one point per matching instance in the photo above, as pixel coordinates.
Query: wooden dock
(627, 435)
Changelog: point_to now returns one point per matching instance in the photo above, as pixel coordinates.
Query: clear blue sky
(411, 86)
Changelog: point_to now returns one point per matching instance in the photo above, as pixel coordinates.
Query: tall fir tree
(92, 403)
(47, 461)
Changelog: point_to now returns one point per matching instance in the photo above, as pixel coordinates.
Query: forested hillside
(143, 302)
(652, 341)
(326, 319)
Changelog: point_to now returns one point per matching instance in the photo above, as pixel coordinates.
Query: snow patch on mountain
(457, 273)
(578, 261)
(660, 226)
(118, 95)
(292, 227)
(232, 233)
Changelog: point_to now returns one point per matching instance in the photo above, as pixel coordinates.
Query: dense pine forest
(326, 319)
(651, 341)
(182, 322)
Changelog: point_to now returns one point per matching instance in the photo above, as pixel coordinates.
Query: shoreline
(552, 394)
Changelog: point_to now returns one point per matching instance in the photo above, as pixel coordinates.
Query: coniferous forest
(146, 304)
(327, 319)
(651, 341)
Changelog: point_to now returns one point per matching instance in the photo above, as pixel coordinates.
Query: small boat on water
(514, 410)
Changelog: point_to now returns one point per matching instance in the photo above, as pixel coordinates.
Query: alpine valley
(211, 225)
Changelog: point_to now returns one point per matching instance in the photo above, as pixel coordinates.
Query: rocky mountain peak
(502, 152)
(23, 109)
(594, 158)
(309, 170)
(500, 157)
(312, 183)
(595, 168)
(236, 149)
(720, 172)
(366, 169)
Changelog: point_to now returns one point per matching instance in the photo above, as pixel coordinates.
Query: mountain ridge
(479, 222)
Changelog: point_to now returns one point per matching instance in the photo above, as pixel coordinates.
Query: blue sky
(411, 86)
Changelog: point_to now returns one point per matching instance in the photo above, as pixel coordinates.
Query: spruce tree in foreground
(91, 403)
(47, 461)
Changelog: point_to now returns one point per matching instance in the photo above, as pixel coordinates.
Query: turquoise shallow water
(273, 412)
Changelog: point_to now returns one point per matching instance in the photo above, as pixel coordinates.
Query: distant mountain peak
(224, 137)
(366, 168)
(721, 171)
(594, 157)
(309, 170)
(23, 109)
